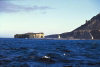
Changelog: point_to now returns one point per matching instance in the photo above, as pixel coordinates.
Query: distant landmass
(90, 30)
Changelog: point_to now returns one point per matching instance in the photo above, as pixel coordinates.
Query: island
(29, 35)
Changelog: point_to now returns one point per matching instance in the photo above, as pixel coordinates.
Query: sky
(47, 16)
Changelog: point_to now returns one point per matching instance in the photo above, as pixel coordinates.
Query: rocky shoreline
(88, 31)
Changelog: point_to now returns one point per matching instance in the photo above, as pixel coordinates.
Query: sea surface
(49, 53)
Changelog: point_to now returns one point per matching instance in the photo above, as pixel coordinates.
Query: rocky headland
(90, 30)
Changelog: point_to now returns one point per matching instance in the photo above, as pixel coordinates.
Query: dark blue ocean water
(49, 53)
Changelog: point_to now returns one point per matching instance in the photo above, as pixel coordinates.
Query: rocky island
(90, 30)
(29, 35)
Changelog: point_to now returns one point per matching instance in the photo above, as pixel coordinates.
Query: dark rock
(46, 59)
(90, 30)
(96, 34)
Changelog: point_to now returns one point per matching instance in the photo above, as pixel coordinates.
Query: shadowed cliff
(90, 30)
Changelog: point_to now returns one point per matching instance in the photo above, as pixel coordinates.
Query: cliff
(92, 24)
(90, 30)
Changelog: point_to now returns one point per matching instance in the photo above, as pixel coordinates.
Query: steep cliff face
(80, 34)
(93, 24)
(96, 34)
(90, 30)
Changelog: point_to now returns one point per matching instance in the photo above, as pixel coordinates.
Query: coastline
(49, 39)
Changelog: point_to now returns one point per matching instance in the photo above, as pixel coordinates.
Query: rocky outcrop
(96, 34)
(80, 34)
(90, 30)
(29, 35)
(93, 24)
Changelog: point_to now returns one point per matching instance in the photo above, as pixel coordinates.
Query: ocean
(49, 53)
